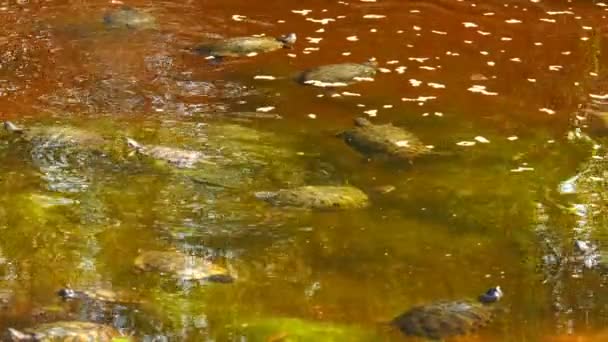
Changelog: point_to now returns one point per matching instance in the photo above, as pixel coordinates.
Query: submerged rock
(128, 17)
(246, 46)
(317, 197)
(58, 136)
(386, 140)
(177, 157)
(445, 319)
(182, 266)
(339, 75)
(100, 295)
(66, 331)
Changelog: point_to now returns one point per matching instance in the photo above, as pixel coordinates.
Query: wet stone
(384, 140)
(182, 266)
(131, 18)
(66, 331)
(180, 158)
(445, 319)
(244, 46)
(317, 197)
(339, 75)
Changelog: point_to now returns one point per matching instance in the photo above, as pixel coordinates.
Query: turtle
(131, 18)
(246, 46)
(316, 197)
(180, 158)
(445, 319)
(66, 331)
(182, 266)
(385, 140)
(339, 75)
(100, 295)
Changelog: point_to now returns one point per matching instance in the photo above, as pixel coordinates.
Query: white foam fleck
(346, 93)
(394, 61)
(491, 63)
(314, 40)
(547, 110)
(426, 67)
(251, 54)
(384, 70)
(599, 97)
(371, 112)
(547, 20)
(346, 53)
(515, 59)
(559, 12)
(402, 143)
(418, 99)
(374, 16)
(522, 169)
(323, 21)
(468, 24)
(415, 82)
(555, 67)
(488, 14)
(584, 38)
(538, 43)
(481, 139)
(238, 17)
(436, 85)
(531, 80)
(485, 53)
(512, 138)
(366, 79)
(439, 32)
(506, 39)
(264, 77)
(416, 28)
(481, 90)
(352, 38)
(418, 59)
(566, 53)
(321, 30)
(465, 143)
(513, 21)
(439, 114)
(387, 106)
(321, 84)
(292, 55)
(312, 116)
(302, 12)
(483, 33)
(264, 109)
(401, 69)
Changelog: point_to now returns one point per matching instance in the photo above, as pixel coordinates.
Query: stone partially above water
(57, 136)
(445, 319)
(128, 17)
(386, 140)
(180, 158)
(182, 266)
(246, 46)
(66, 331)
(317, 197)
(339, 75)
(100, 295)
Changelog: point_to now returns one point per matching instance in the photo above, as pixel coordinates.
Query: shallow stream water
(499, 85)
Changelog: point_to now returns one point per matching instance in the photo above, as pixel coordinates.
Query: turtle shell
(240, 46)
(444, 319)
(66, 331)
(317, 197)
(335, 75)
(385, 139)
(182, 266)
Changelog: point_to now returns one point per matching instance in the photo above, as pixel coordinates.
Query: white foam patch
(481, 139)
(466, 143)
(374, 16)
(481, 90)
(467, 24)
(436, 85)
(302, 12)
(265, 109)
(264, 77)
(238, 17)
(547, 110)
(321, 84)
(352, 38)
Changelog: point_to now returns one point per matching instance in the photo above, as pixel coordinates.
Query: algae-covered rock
(339, 75)
(245, 46)
(182, 266)
(317, 197)
(67, 331)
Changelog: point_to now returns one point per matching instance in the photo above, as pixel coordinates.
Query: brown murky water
(497, 84)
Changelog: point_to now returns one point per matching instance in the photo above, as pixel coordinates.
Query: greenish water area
(128, 144)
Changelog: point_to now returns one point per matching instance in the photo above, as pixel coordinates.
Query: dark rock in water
(317, 197)
(245, 46)
(72, 331)
(182, 266)
(445, 319)
(386, 140)
(127, 17)
(339, 75)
